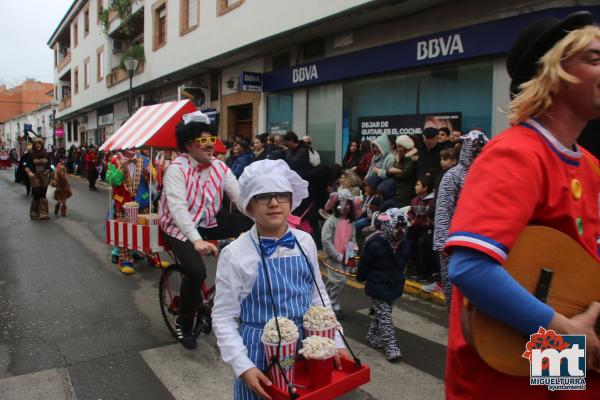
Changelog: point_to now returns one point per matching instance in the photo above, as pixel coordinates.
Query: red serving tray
(343, 381)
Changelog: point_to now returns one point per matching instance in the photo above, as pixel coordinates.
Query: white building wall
(214, 36)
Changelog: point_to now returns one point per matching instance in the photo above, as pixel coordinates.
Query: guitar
(558, 271)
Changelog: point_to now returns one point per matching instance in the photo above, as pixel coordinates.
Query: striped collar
(571, 157)
(195, 164)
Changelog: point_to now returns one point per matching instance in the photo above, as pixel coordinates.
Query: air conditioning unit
(118, 46)
(138, 101)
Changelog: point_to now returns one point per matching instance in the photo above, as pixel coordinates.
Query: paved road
(73, 327)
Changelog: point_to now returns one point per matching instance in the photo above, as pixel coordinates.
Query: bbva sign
(439, 47)
(306, 73)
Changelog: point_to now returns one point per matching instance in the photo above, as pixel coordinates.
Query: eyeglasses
(206, 140)
(265, 198)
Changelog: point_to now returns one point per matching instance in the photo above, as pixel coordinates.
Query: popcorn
(319, 317)
(289, 331)
(131, 204)
(318, 348)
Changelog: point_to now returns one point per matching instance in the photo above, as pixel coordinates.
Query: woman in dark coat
(366, 155)
(260, 147)
(352, 156)
(243, 157)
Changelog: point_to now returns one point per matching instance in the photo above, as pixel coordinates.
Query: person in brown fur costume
(38, 168)
(63, 189)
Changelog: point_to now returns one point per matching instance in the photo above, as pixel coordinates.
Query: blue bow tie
(270, 245)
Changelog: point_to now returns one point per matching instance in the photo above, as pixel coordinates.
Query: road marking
(52, 384)
(190, 375)
(417, 325)
(385, 377)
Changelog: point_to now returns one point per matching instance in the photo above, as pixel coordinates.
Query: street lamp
(53, 105)
(131, 65)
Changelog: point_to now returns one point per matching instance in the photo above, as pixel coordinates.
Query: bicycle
(169, 297)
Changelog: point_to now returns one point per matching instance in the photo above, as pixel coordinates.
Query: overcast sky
(25, 27)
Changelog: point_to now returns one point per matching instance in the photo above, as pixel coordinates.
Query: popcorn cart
(151, 127)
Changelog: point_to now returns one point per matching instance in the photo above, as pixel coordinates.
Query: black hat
(430, 132)
(535, 40)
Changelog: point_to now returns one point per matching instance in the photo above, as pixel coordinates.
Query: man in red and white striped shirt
(192, 196)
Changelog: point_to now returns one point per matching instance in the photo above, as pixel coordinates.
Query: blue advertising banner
(486, 39)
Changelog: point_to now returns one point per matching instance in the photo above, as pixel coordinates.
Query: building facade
(35, 124)
(19, 100)
(334, 70)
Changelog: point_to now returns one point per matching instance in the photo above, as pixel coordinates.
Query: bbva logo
(436, 47)
(307, 73)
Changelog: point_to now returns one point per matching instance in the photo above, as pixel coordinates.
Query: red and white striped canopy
(150, 126)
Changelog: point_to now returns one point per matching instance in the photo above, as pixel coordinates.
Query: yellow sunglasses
(206, 140)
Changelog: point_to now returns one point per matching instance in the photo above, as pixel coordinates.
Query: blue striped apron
(292, 285)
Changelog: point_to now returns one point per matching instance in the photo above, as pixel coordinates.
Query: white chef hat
(196, 116)
(270, 176)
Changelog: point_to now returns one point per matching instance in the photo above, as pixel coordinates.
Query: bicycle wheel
(170, 302)
(168, 295)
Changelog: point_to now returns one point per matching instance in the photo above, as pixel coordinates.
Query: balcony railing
(66, 59)
(64, 103)
(118, 75)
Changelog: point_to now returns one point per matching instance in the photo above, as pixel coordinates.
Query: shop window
(321, 124)
(100, 64)
(462, 88)
(280, 112)
(189, 15)
(466, 88)
(385, 95)
(86, 73)
(159, 24)
(224, 6)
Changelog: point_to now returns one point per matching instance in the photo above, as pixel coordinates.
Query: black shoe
(412, 277)
(186, 338)
(424, 279)
(115, 259)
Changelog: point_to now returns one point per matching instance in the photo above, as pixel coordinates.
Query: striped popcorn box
(132, 213)
(287, 361)
(325, 332)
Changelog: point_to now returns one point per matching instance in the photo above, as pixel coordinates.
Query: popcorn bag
(318, 352)
(287, 361)
(325, 332)
(320, 321)
(131, 211)
(287, 350)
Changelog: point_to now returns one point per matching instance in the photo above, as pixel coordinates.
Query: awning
(150, 126)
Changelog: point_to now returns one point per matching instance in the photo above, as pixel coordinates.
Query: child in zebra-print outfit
(382, 262)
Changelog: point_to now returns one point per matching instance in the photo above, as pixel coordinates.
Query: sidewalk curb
(411, 287)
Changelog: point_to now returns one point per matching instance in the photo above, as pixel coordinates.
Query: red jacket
(364, 164)
(91, 160)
